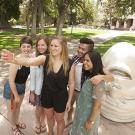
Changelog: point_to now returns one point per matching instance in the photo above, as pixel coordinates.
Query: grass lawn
(10, 39)
(127, 37)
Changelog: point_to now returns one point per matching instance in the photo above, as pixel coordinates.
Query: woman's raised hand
(7, 56)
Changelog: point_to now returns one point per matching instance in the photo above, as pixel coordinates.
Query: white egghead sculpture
(119, 104)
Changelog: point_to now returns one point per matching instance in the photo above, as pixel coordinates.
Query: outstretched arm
(9, 57)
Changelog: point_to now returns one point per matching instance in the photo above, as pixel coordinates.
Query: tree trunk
(4, 21)
(55, 21)
(110, 21)
(28, 24)
(42, 20)
(60, 23)
(33, 28)
(34, 17)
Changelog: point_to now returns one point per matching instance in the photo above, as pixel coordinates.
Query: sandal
(16, 131)
(43, 128)
(37, 130)
(21, 125)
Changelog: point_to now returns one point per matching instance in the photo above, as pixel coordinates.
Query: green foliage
(10, 39)
(119, 8)
(9, 9)
(87, 11)
(125, 7)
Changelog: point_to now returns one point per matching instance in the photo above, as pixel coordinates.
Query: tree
(125, 7)
(35, 13)
(118, 9)
(26, 13)
(109, 12)
(86, 11)
(9, 10)
(62, 7)
(38, 11)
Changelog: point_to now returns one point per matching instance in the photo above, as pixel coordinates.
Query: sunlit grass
(127, 37)
(9, 39)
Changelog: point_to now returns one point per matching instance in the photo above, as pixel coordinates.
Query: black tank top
(55, 82)
(22, 74)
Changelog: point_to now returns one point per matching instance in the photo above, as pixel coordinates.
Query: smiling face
(41, 46)
(26, 49)
(55, 48)
(82, 49)
(119, 60)
(87, 63)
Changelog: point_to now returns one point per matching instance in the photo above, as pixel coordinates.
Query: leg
(38, 115)
(60, 123)
(11, 113)
(50, 120)
(12, 118)
(70, 113)
(17, 111)
(42, 120)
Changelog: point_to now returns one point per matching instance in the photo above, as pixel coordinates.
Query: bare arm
(12, 75)
(71, 86)
(30, 61)
(95, 111)
(8, 56)
(108, 77)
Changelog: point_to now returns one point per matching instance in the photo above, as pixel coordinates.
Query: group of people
(56, 82)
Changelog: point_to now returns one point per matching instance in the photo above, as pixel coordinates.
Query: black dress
(54, 92)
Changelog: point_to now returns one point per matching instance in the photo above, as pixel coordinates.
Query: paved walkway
(27, 111)
(98, 39)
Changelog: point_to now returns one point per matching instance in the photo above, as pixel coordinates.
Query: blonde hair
(64, 55)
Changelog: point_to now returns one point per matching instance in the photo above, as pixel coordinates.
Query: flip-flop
(16, 131)
(43, 128)
(37, 130)
(21, 125)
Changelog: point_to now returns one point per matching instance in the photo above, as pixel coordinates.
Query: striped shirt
(76, 59)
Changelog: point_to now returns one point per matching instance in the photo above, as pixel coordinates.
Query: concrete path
(106, 36)
(98, 39)
(107, 127)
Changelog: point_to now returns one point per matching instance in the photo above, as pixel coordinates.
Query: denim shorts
(7, 91)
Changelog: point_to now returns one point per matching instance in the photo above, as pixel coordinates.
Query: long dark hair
(95, 58)
(46, 40)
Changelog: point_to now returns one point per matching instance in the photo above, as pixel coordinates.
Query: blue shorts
(7, 91)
